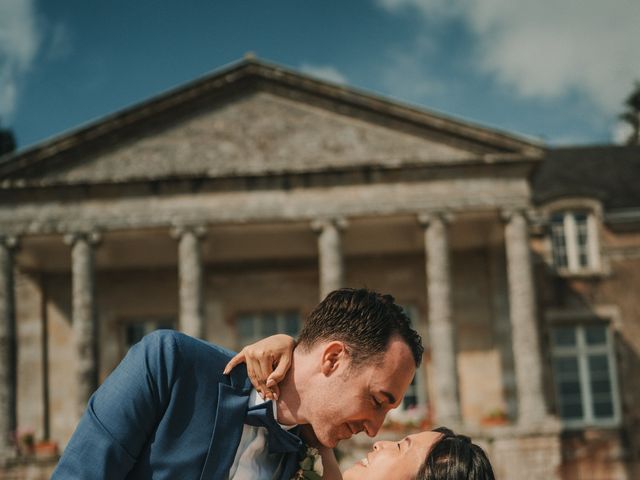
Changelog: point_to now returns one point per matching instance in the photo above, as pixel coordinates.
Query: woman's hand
(268, 360)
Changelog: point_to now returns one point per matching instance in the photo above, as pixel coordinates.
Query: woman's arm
(268, 360)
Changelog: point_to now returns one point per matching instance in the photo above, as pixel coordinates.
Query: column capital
(425, 219)
(319, 224)
(177, 231)
(507, 214)
(93, 237)
(10, 242)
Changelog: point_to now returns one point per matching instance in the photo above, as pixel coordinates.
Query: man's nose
(373, 425)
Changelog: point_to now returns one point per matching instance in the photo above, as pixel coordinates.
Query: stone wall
(593, 454)
(131, 295)
(28, 469)
(480, 307)
(611, 296)
(531, 456)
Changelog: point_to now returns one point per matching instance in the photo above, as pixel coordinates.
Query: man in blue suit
(168, 412)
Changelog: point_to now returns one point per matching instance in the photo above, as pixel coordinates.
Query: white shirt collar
(256, 399)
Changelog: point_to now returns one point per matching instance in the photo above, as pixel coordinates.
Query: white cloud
(324, 72)
(548, 48)
(621, 133)
(404, 76)
(19, 43)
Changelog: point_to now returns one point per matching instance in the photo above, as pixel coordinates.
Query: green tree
(7, 141)
(632, 115)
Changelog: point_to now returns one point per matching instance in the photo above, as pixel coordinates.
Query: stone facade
(254, 192)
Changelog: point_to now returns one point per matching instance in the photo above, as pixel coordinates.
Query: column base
(529, 451)
(8, 456)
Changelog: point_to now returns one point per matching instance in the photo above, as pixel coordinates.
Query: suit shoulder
(187, 347)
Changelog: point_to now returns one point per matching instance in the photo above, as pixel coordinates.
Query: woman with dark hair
(439, 454)
(455, 457)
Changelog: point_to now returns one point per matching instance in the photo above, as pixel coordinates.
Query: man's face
(352, 400)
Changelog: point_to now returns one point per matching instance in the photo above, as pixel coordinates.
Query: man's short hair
(364, 320)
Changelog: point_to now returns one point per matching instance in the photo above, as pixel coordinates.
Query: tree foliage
(7, 141)
(632, 115)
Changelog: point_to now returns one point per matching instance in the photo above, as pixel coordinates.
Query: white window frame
(571, 242)
(581, 351)
(257, 317)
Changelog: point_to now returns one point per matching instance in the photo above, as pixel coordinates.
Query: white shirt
(253, 461)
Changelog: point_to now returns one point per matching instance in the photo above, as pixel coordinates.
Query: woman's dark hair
(455, 457)
(364, 320)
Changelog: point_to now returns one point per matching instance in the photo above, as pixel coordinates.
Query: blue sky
(555, 70)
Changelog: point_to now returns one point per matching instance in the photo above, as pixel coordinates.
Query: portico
(192, 226)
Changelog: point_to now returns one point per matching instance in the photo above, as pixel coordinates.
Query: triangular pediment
(254, 124)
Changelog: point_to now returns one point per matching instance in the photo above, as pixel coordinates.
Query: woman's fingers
(260, 369)
(256, 376)
(268, 361)
(234, 362)
(279, 372)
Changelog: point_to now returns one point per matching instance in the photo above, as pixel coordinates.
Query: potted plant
(495, 417)
(413, 418)
(46, 448)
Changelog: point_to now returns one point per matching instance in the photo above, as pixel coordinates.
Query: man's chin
(329, 441)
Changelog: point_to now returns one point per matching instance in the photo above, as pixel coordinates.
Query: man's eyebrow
(390, 398)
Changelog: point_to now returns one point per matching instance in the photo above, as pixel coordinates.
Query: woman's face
(399, 460)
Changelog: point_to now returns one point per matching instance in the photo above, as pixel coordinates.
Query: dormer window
(574, 239)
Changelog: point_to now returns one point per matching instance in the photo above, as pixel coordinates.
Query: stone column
(441, 326)
(331, 261)
(85, 325)
(8, 366)
(522, 311)
(190, 274)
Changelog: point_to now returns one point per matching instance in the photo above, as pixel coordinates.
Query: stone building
(228, 207)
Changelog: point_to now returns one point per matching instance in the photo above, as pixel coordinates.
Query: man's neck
(289, 399)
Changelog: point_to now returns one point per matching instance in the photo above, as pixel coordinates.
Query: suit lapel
(227, 431)
(290, 467)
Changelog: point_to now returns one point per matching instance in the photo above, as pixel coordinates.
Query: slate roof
(608, 173)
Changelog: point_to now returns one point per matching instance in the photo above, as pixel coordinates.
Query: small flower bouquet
(310, 466)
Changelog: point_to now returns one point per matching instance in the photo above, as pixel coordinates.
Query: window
(584, 372)
(254, 326)
(136, 329)
(574, 239)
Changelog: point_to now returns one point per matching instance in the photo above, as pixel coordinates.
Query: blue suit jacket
(166, 412)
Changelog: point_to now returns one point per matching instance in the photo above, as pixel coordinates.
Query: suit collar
(239, 380)
(233, 400)
(227, 431)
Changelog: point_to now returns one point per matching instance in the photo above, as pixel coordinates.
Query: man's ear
(334, 354)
